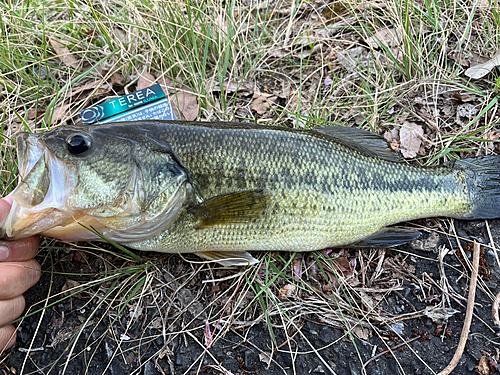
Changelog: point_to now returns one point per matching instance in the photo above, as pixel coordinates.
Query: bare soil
(311, 345)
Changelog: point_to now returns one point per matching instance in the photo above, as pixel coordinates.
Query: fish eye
(77, 143)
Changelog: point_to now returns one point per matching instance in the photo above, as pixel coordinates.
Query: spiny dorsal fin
(387, 237)
(237, 207)
(363, 141)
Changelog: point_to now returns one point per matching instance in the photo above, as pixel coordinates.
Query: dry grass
(370, 64)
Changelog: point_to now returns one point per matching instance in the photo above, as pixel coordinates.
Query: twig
(287, 341)
(468, 315)
(494, 310)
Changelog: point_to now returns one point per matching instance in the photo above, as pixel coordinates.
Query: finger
(7, 337)
(11, 309)
(18, 277)
(5, 205)
(18, 251)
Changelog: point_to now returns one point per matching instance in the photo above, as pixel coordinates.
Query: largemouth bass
(222, 189)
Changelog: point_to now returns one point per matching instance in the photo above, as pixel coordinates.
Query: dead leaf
(278, 52)
(70, 287)
(262, 102)
(67, 333)
(479, 71)
(92, 89)
(493, 136)
(120, 34)
(265, 357)
(156, 323)
(135, 311)
(64, 54)
(482, 368)
(287, 291)
(367, 300)
(344, 266)
(410, 136)
(361, 332)
(61, 112)
(117, 79)
(385, 37)
(465, 113)
(359, 57)
(145, 80)
(183, 102)
(484, 5)
(439, 315)
(464, 96)
(285, 90)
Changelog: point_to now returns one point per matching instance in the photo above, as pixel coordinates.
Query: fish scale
(327, 196)
(221, 189)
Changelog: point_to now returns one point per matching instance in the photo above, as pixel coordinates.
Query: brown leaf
(145, 80)
(278, 52)
(344, 266)
(117, 79)
(483, 368)
(287, 291)
(493, 136)
(464, 96)
(383, 37)
(362, 332)
(262, 102)
(183, 102)
(61, 112)
(410, 136)
(93, 89)
(71, 287)
(64, 54)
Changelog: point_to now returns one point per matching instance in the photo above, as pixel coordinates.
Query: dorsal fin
(363, 141)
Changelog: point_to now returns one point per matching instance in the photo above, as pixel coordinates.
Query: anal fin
(387, 237)
(229, 258)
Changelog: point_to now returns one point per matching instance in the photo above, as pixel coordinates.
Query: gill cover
(127, 186)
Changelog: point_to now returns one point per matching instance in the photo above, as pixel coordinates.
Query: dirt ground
(79, 335)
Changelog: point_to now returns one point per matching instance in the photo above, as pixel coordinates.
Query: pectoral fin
(237, 207)
(388, 237)
(229, 258)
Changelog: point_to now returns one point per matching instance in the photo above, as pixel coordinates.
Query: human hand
(18, 273)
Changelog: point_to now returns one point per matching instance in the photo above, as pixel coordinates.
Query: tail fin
(483, 185)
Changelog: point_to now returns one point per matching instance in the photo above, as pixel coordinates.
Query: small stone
(251, 359)
(471, 366)
(149, 369)
(178, 359)
(319, 370)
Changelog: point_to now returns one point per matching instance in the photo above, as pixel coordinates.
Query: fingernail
(4, 253)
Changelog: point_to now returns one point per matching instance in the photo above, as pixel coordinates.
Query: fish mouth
(39, 200)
